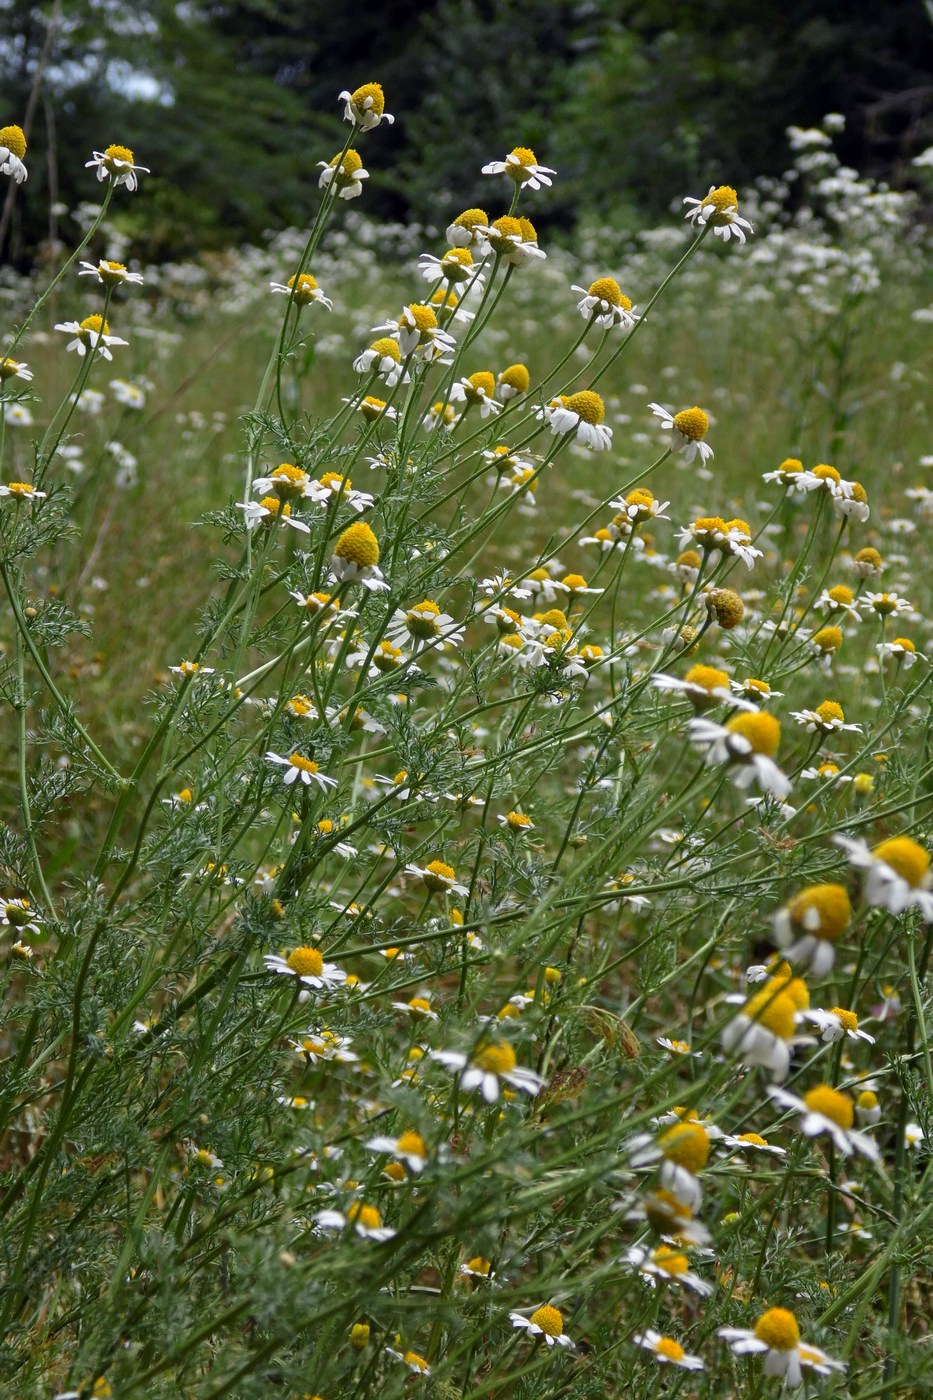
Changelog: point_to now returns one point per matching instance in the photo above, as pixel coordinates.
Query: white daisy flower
(365, 106)
(746, 746)
(667, 1351)
(688, 429)
(22, 491)
(415, 1363)
(345, 172)
(437, 877)
(316, 1047)
(545, 1322)
(827, 1110)
(520, 165)
(898, 873)
(331, 486)
(383, 358)
(666, 1264)
(581, 414)
(301, 769)
(776, 1336)
(409, 1148)
(303, 289)
(837, 1024)
(719, 208)
(488, 1068)
(117, 165)
(827, 718)
(364, 1221)
(93, 333)
(902, 650)
(604, 302)
(109, 274)
(12, 150)
(307, 965)
(14, 369)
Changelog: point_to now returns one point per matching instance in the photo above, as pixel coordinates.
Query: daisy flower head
(409, 1148)
(638, 507)
(93, 333)
(303, 289)
(513, 240)
(417, 1006)
(827, 718)
(886, 604)
(345, 172)
(478, 1267)
(827, 1110)
(286, 481)
(521, 166)
(517, 822)
(764, 1029)
(581, 414)
(898, 873)
(365, 107)
(688, 430)
(415, 1363)
(455, 267)
(852, 502)
(667, 1351)
(776, 1336)
(902, 650)
(301, 769)
(544, 1322)
(754, 689)
(513, 381)
(719, 208)
(109, 274)
(666, 1264)
(789, 474)
(19, 915)
(808, 926)
(364, 1220)
(417, 329)
(477, 390)
(117, 165)
(746, 744)
(838, 1024)
(307, 965)
(605, 304)
(752, 1142)
(468, 230)
(725, 607)
(868, 563)
(356, 558)
(21, 491)
(490, 1066)
(839, 599)
(704, 686)
(424, 627)
(14, 369)
(332, 487)
(12, 150)
(825, 643)
(383, 358)
(437, 877)
(269, 510)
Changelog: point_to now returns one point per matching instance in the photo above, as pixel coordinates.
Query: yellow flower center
(497, 1058)
(525, 158)
(479, 1265)
(528, 231)
(666, 1346)
(554, 617)
(724, 200)
(847, 1019)
(348, 163)
(20, 488)
(412, 1144)
(302, 282)
(904, 643)
(367, 1216)
(753, 1139)
(13, 138)
(832, 1104)
(831, 905)
(763, 731)
(869, 555)
(419, 1004)
(574, 582)
(304, 765)
(483, 383)
(726, 606)
(608, 289)
(587, 405)
(826, 473)
(422, 317)
(827, 640)
(707, 678)
(411, 1358)
(549, 1320)
(358, 545)
(773, 1010)
(859, 493)
(185, 795)
(95, 323)
(387, 348)
(841, 595)
(121, 153)
(275, 506)
(884, 604)
(687, 1144)
(437, 875)
(830, 710)
(306, 962)
(518, 821)
(909, 860)
(867, 1100)
(503, 231)
(671, 1261)
(369, 97)
(472, 218)
(778, 1329)
(516, 377)
(693, 423)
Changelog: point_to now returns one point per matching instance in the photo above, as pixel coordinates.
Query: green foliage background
(634, 101)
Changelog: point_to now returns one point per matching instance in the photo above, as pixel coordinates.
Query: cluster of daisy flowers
(460, 821)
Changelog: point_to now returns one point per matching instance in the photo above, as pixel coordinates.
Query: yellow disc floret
(907, 858)
(549, 1320)
(306, 962)
(778, 1329)
(687, 1144)
(832, 1104)
(497, 1057)
(824, 910)
(608, 290)
(587, 405)
(775, 1011)
(361, 1214)
(693, 423)
(438, 876)
(14, 139)
(516, 377)
(763, 731)
(358, 545)
(369, 97)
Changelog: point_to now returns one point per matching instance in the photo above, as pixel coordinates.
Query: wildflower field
(468, 799)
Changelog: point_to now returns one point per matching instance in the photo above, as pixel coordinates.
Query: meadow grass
(395, 996)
